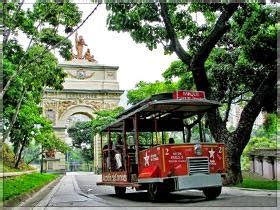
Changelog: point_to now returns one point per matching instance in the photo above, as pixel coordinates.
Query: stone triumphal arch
(88, 87)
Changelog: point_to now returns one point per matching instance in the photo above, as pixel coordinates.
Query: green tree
(104, 117)
(235, 44)
(28, 70)
(24, 131)
(146, 89)
(82, 137)
(271, 126)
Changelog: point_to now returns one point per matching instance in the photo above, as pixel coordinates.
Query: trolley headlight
(197, 149)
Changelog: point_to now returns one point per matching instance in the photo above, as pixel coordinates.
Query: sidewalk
(248, 192)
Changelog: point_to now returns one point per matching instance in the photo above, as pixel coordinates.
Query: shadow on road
(172, 198)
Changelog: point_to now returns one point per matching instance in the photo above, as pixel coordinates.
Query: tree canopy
(230, 54)
(25, 131)
(29, 69)
(144, 90)
(82, 137)
(104, 117)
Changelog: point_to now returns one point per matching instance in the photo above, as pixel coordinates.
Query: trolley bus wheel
(212, 192)
(153, 192)
(120, 191)
(157, 191)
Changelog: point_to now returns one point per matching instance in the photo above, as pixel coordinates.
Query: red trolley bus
(146, 162)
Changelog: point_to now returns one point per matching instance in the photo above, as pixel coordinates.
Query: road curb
(21, 199)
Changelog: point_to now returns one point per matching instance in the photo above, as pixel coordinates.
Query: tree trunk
(233, 154)
(19, 155)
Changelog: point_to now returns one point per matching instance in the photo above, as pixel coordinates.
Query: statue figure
(89, 57)
(80, 43)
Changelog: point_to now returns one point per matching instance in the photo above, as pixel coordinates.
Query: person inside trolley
(171, 141)
(106, 154)
(118, 148)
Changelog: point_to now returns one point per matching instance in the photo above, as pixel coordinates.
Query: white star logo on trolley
(146, 158)
(211, 152)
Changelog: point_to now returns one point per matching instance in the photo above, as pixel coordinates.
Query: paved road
(79, 189)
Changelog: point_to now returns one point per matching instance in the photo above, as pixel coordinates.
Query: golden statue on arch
(79, 45)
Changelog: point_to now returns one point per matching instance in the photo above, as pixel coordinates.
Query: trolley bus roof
(168, 112)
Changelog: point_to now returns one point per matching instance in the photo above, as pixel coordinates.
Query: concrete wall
(277, 168)
(268, 167)
(259, 166)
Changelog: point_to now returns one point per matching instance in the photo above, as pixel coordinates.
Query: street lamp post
(42, 160)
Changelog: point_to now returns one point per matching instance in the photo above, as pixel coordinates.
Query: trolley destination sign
(187, 94)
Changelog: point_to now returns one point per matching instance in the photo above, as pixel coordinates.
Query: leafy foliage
(104, 117)
(177, 69)
(271, 125)
(24, 131)
(146, 89)
(244, 56)
(28, 70)
(82, 135)
(31, 154)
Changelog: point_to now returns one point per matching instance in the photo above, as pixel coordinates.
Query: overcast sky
(135, 61)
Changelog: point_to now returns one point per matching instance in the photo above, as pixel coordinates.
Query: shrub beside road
(28, 183)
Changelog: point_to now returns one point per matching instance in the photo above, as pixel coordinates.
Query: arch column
(97, 155)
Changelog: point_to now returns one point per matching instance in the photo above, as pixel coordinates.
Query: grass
(254, 181)
(16, 186)
(260, 184)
